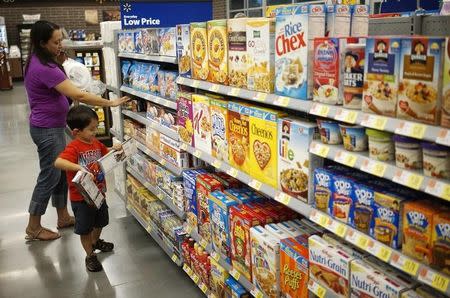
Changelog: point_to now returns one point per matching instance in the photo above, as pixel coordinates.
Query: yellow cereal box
(202, 122)
(219, 120)
(199, 51)
(237, 52)
(218, 277)
(239, 136)
(263, 145)
(441, 241)
(261, 54)
(218, 51)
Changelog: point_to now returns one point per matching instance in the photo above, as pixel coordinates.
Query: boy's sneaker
(103, 245)
(93, 264)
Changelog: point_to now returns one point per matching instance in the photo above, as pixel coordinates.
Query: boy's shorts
(88, 217)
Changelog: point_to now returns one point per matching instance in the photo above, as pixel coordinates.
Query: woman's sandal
(39, 236)
(67, 223)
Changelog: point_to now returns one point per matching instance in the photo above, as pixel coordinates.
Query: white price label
(373, 167)
(255, 184)
(346, 158)
(411, 129)
(282, 101)
(195, 84)
(319, 149)
(374, 121)
(348, 116)
(283, 198)
(409, 179)
(256, 293)
(338, 228)
(439, 189)
(358, 239)
(234, 92)
(183, 146)
(320, 218)
(217, 164)
(434, 279)
(180, 80)
(404, 263)
(379, 250)
(236, 275)
(214, 88)
(260, 96)
(197, 153)
(320, 110)
(232, 172)
(443, 137)
(316, 289)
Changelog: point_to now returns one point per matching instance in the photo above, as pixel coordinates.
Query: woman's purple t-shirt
(48, 107)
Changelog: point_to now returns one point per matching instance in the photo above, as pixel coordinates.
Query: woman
(48, 91)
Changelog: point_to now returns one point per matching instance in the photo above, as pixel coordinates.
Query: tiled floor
(136, 268)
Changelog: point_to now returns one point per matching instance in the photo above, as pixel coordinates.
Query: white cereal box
(237, 52)
(291, 53)
(265, 261)
(338, 20)
(199, 51)
(329, 266)
(184, 50)
(360, 20)
(261, 54)
(202, 122)
(167, 38)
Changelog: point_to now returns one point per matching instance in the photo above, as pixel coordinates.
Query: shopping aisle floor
(136, 268)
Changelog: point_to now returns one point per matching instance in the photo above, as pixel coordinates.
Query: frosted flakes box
(218, 51)
(291, 53)
(294, 268)
(261, 54)
(295, 163)
(219, 121)
(219, 205)
(338, 20)
(361, 213)
(218, 278)
(185, 118)
(419, 95)
(237, 52)
(329, 266)
(381, 75)
(445, 110)
(265, 261)
(184, 50)
(360, 20)
(199, 51)
(190, 193)
(202, 122)
(239, 136)
(441, 241)
(167, 38)
(205, 184)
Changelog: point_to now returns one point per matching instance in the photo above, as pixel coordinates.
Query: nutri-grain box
(291, 52)
(219, 122)
(261, 54)
(184, 50)
(218, 51)
(445, 117)
(202, 122)
(381, 75)
(419, 95)
(294, 268)
(199, 51)
(237, 52)
(239, 136)
(185, 118)
(338, 20)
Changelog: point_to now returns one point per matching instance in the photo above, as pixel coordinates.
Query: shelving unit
(197, 281)
(165, 59)
(150, 97)
(140, 117)
(169, 166)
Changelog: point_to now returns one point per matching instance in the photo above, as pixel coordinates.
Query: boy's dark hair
(80, 117)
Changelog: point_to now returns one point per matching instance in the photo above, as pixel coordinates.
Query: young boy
(82, 154)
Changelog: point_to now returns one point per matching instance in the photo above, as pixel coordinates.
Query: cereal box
(338, 20)
(295, 163)
(237, 52)
(261, 54)
(122, 42)
(219, 204)
(343, 197)
(152, 139)
(323, 188)
(226, 180)
(206, 184)
(386, 225)
(381, 72)
(265, 262)
(185, 118)
(441, 241)
(445, 117)
(360, 20)
(241, 195)
(199, 51)
(239, 136)
(417, 229)
(291, 230)
(170, 151)
(294, 258)
(218, 51)
(202, 122)
(329, 266)
(153, 42)
(219, 121)
(263, 145)
(291, 53)
(184, 50)
(276, 231)
(129, 41)
(240, 223)
(361, 213)
(419, 95)
(167, 38)
(235, 289)
(218, 278)
(138, 42)
(326, 70)
(190, 193)
(353, 71)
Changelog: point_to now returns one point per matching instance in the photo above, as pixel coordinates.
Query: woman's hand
(119, 101)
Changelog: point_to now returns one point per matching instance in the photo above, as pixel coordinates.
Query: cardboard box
(239, 136)
(184, 50)
(338, 20)
(323, 188)
(360, 20)
(170, 151)
(219, 121)
(218, 51)
(218, 279)
(361, 213)
(205, 184)
(202, 122)
(167, 37)
(199, 51)
(441, 241)
(445, 120)
(185, 118)
(237, 52)
(294, 268)
(190, 193)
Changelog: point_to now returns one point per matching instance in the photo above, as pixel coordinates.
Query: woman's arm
(68, 89)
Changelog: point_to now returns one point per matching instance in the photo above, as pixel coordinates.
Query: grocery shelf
(154, 58)
(169, 166)
(159, 193)
(112, 89)
(150, 97)
(150, 228)
(320, 290)
(261, 97)
(140, 117)
(114, 133)
(293, 203)
(395, 258)
(197, 281)
(388, 170)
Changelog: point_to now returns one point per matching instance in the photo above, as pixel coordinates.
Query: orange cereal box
(239, 136)
(294, 265)
(441, 241)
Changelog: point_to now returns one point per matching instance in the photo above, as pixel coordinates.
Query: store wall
(219, 9)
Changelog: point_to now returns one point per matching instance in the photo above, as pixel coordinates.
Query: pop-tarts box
(361, 212)
(338, 20)
(360, 20)
(342, 198)
(323, 188)
(189, 181)
(291, 52)
(219, 204)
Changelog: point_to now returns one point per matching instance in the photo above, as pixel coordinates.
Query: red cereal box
(227, 181)
(294, 268)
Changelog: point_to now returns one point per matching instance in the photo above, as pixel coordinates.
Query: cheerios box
(261, 54)
(294, 266)
(295, 163)
(420, 84)
(184, 50)
(239, 136)
(219, 122)
(199, 51)
(263, 145)
(202, 122)
(218, 51)
(237, 52)
(445, 110)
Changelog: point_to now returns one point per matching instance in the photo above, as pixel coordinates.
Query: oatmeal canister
(436, 160)
(408, 153)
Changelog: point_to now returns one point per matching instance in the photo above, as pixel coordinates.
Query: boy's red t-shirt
(87, 156)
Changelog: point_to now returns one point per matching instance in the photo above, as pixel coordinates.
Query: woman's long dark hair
(42, 32)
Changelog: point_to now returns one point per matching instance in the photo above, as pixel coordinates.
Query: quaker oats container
(329, 132)
(436, 160)
(408, 153)
(381, 145)
(354, 137)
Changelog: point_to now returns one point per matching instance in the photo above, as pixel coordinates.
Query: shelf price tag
(283, 198)
(232, 172)
(320, 218)
(404, 263)
(195, 84)
(256, 293)
(215, 256)
(255, 184)
(185, 268)
(174, 258)
(443, 137)
(162, 162)
(214, 88)
(373, 167)
(188, 229)
(260, 96)
(409, 179)
(346, 158)
(149, 228)
(160, 196)
(434, 279)
(338, 228)
(320, 110)
(320, 149)
(236, 275)
(438, 188)
(346, 116)
(282, 101)
(374, 121)
(180, 80)
(183, 146)
(203, 287)
(358, 239)
(411, 129)
(316, 289)
(197, 153)
(380, 251)
(217, 164)
(195, 278)
(203, 243)
(234, 92)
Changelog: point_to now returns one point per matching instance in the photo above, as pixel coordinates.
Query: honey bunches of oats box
(237, 52)
(219, 122)
(218, 51)
(199, 51)
(184, 50)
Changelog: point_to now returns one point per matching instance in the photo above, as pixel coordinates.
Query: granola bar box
(294, 268)
(218, 51)
(184, 50)
(239, 136)
(237, 52)
(199, 51)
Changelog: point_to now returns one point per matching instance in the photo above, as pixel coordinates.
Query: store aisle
(137, 267)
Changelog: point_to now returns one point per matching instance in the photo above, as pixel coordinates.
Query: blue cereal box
(138, 42)
(189, 180)
(323, 187)
(342, 198)
(243, 195)
(219, 204)
(184, 50)
(361, 212)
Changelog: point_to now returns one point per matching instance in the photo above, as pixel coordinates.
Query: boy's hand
(84, 170)
(117, 147)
